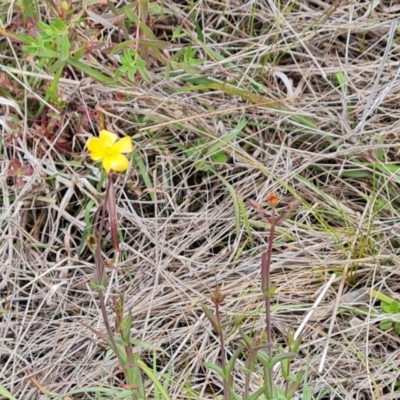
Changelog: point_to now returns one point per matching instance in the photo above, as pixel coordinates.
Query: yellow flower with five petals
(109, 149)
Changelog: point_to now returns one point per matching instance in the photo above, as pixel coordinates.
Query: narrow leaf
(4, 392)
(89, 71)
(217, 369)
(212, 318)
(222, 142)
(280, 357)
(154, 379)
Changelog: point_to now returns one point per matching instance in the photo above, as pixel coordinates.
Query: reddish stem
(223, 355)
(266, 285)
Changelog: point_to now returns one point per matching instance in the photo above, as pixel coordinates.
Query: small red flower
(273, 200)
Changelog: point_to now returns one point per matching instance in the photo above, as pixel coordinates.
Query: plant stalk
(266, 286)
(101, 279)
(223, 354)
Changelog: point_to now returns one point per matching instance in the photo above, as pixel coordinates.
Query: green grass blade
(145, 175)
(4, 392)
(149, 372)
(89, 71)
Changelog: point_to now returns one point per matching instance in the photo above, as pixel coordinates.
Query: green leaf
(126, 394)
(220, 157)
(111, 6)
(25, 38)
(296, 345)
(54, 84)
(4, 392)
(294, 385)
(234, 394)
(89, 71)
(379, 149)
(304, 121)
(199, 31)
(231, 364)
(258, 393)
(145, 174)
(43, 27)
(217, 369)
(65, 47)
(394, 307)
(145, 345)
(202, 166)
(59, 64)
(143, 27)
(280, 357)
(247, 339)
(88, 225)
(340, 78)
(222, 142)
(131, 74)
(60, 25)
(263, 357)
(126, 326)
(141, 67)
(212, 318)
(144, 10)
(307, 394)
(29, 9)
(386, 307)
(177, 33)
(385, 325)
(380, 296)
(285, 368)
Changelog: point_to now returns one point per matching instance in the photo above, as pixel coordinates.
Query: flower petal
(107, 163)
(95, 144)
(108, 138)
(119, 163)
(96, 156)
(123, 145)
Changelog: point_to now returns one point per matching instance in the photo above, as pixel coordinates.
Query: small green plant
(389, 306)
(51, 42)
(52, 46)
(137, 54)
(258, 350)
(132, 63)
(187, 60)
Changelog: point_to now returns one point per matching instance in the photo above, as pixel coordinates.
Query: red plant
(19, 172)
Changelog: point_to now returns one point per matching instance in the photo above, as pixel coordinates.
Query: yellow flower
(108, 148)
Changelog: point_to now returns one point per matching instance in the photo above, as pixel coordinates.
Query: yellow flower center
(108, 150)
